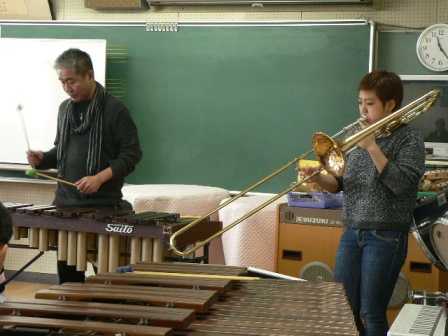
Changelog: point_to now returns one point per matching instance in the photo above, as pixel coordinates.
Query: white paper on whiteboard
(27, 78)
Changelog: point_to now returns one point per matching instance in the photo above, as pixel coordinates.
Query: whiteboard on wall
(29, 83)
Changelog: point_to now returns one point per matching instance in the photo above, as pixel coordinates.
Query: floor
(25, 285)
(22, 289)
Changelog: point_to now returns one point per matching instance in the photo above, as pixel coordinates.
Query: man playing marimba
(96, 146)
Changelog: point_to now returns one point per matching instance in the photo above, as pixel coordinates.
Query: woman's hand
(369, 141)
(305, 171)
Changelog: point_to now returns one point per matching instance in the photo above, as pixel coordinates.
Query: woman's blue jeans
(368, 263)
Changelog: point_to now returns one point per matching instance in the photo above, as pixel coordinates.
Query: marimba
(186, 300)
(107, 238)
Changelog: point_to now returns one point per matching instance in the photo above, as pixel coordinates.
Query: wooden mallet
(35, 173)
(22, 121)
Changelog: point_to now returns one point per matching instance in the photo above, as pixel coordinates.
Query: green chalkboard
(226, 105)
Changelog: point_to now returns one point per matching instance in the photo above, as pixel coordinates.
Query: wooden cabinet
(306, 235)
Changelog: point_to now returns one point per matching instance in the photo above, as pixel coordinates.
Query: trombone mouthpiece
(355, 125)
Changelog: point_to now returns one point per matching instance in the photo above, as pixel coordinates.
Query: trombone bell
(328, 154)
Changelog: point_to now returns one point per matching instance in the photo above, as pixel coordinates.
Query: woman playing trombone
(380, 185)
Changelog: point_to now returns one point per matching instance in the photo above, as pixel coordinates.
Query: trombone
(330, 154)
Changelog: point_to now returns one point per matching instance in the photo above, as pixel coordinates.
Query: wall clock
(432, 47)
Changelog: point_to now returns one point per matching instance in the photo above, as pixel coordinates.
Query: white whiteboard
(28, 79)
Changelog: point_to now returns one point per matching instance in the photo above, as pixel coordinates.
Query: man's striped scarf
(93, 120)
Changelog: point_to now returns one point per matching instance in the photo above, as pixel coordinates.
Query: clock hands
(441, 49)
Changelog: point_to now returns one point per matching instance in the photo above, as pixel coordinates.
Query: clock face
(432, 47)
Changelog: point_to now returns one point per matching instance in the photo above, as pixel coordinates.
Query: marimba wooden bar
(105, 312)
(182, 268)
(23, 324)
(199, 300)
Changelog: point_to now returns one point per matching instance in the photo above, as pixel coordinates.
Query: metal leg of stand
(206, 253)
(40, 254)
(204, 258)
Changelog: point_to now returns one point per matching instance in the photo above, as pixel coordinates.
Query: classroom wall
(391, 15)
